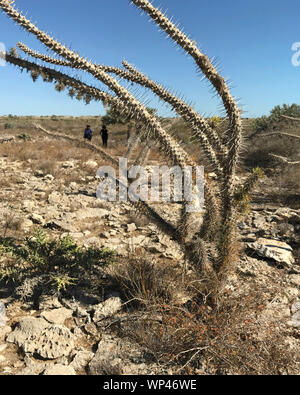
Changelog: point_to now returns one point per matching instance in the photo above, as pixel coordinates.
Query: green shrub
(24, 136)
(276, 117)
(62, 260)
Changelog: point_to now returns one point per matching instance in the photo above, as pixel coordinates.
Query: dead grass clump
(142, 281)
(46, 166)
(138, 220)
(197, 338)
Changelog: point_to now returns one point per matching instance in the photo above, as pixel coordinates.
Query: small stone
(60, 370)
(81, 360)
(131, 227)
(4, 330)
(39, 173)
(18, 364)
(57, 316)
(37, 219)
(68, 165)
(49, 177)
(295, 307)
(90, 163)
(3, 347)
(49, 302)
(295, 279)
(91, 329)
(107, 308)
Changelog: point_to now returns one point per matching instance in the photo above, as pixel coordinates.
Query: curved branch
(207, 69)
(42, 57)
(292, 118)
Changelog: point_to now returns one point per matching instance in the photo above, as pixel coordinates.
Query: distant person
(104, 135)
(88, 133)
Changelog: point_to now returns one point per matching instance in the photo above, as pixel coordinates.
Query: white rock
(60, 370)
(81, 360)
(295, 279)
(26, 224)
(37, 219)
(107, 308)
(57, 316)
(90, 163)
(53, 342)
(25, 328)
(131, 227)
(295, 307)
(68, 165)
(273, 249)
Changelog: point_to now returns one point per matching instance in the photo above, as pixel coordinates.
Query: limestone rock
(273, 249)
(295, 321)
(131, 227)
(295, 307)
(81, 360)
(53, 342)
(4, 330)
(90, 163)
(68, 165)
(107, 308)
(295, 279)
(37, 219)
(57, 316)
(27, 327)
(59, 370)
(107, 355)
(26, 224)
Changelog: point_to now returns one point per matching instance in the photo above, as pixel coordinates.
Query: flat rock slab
(273, 249)
(26, 327)
(57, 316)
(53, 342)
(60, 370)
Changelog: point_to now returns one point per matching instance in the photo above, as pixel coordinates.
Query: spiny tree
(207, 244)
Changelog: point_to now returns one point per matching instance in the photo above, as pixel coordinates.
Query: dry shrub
(46, 166)
(11, 222)
(195, 337)
(257, 150)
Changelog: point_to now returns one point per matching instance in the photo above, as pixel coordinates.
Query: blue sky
(251, 41)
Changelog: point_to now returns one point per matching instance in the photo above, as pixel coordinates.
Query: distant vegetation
(276, 118)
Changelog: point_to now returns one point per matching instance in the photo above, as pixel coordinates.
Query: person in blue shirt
(88, 133)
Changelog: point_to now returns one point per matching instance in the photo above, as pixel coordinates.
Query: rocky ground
(71, 335)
